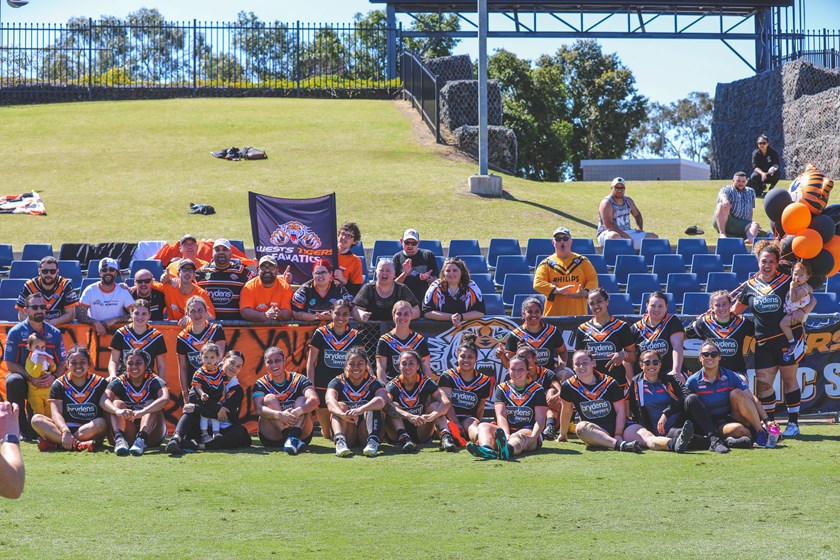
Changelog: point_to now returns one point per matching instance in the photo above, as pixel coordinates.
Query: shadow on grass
(507, 196)
(816, 438)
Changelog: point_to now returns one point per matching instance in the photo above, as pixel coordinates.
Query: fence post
(297, 59)
(90, 59)
(195, 57)
(437, 111)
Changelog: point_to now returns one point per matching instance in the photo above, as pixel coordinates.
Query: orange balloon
(833, 247)
(807, 244)
(795, 218)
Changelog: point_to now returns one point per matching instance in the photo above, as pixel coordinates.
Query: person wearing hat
(416, 267)
(614, 217)
(188, 246)
(180, 290)
(565, 278)
(223, 279)
(268, 297)
(105, 303)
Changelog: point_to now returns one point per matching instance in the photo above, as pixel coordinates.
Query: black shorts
(322, 397)
(770, 352)
(275, 443)
(722, 420)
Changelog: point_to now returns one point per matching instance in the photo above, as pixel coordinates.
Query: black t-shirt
(414, 400)
(765, 161)
(390, 347)
(603, 341)
(285, 391)
(466, 396)
(331, 353)
(151, 342)
(421, 262)
(136, 397)
(307, 298)
(80, 405)
(157, 303)
(379, 307)
(729, 337)
(224, 285)
(594, 403)
(520, 404)
(766, 300)
(547, 342)
(355, 395)
(657, 338)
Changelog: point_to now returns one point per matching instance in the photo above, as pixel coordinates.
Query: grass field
(565, 502)
(127, 170)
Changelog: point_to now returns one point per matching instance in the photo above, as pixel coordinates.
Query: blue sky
(664, 70)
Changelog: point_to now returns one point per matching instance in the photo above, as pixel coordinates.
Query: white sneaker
(138, 448)
(341, 449)
(791, 430)
(371, 449)
(121, 447)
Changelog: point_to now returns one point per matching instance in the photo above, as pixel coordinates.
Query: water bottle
(773, 169)
(773, 435)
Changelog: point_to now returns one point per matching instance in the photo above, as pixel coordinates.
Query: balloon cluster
(806, 226)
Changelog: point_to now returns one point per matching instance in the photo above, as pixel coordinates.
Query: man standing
(177, 293)
(105, 303)
(145, 287)
(267, 297)
(614, 217)
(417, 268)
(565, 278)
(766, 163)
(189, 251)
(17, 351)
(223, 279)
(57, 291)
(734, 210)
(349, 271)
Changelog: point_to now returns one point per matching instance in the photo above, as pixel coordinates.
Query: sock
(510, 451)
(295, 432)
(791, 341)
(119, 434)
(403, 436)
(792, 400)
(768, 403)
(671, 443)
(617, 445)
(339, 437)
(142, 435)
(373, 420)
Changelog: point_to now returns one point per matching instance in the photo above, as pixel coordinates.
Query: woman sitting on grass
(467, 389)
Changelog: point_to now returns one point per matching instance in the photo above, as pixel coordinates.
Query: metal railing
(421, 87)
(821, 48)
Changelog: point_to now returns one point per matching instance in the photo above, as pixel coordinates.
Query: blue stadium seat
(439, 260)
(432, 245)
(358, 249)
(663, 265)
(680, 283)
(516, 283)
(11, 287)
(7, 255)
(502, 246)
(24, 269)
(609, 283)
(36, 251)
(484, 281)
(598, 263)
(652, 247)
(476, 264)
(640, 283)
(71, 270)
(384, 248)
(691, 246)
(833, 284)
(583, 246)
(364, 267)
(695, 303)
(519, 299)
(461, 247)
(702, 265)
(493, 305)
(826, 302)
(727, 247)
(87, 282)
(238, 243)
(672, 302)
(507, 264)
(8, 313)
(615, 247)
(620, 304)
(538, 246)
(625, 264)
(721, 281)
(744, 266)
(152, 265)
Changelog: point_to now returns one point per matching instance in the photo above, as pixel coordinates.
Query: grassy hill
(127, 170)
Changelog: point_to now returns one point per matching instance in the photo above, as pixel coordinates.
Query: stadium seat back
(432, 245)
(11, 287)
(476, 264)
(620, 304)
(24, 269)
(702, 265)
(663, 265)
(502, 246)
(692, 246)
(721, 281)
(36, 251)
(493, 305)
(583, 246)
(727, 247)
(652, 247)
(680, 283)
(519, 299)
(507, 264)
(639, 283)
(627, 264)
(461, 247)
(609, 283)
(615, 247)
(538, 246)
(695, 303)
(517, 283)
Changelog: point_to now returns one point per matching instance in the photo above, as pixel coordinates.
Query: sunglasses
(651, 362)
(108, 269)
(560, 238)
(410, 243)
(37, 307)
(762, 143)
(143, 281)
(710, 354)
(49, 271)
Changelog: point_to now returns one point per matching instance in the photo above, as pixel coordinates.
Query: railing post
(391, 26)
(90, 59)
(437, 111)
(195, 57)
(297, 59)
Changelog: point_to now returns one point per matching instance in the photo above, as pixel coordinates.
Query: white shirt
(102, 306)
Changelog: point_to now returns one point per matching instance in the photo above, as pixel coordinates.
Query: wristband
(10, 438)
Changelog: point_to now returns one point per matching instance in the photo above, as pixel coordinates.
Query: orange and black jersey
(211, 381)
(157, 302)
(728, 336)
(80, 404)
(545, 377)
(224, 286)
(232, 400)
(602, 341)
(411, 400)
(307, 298)
(332, 349)
(466, 396)
(596, 402)
(520, 404)
(61, 297)
(390, 347)
(190, 343)
(657, 338)
(355, 395)
(286, 391)
(136, 397)
(766, 300)
(126, 339)
(439, 299)
(547, 343)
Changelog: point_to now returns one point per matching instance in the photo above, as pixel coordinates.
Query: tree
(680, 129)
(156, 46)
(324, 56)
(269, 49)
(433, 47)
(368, 47)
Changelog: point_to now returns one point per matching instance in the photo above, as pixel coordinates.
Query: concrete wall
(644, 170)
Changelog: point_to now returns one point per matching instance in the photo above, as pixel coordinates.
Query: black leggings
(233, 437)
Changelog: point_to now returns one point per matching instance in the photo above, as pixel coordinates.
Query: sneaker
(138, 448)
(371, 449)
(410, 447)
(744, 442)
(189, 445)
(684, 438)
(174, 446)
(717, 445)
(773, 436)
(502, 444)
(791, 430)
(205, 437)
(481, 452)
(761, 438)
(216, 435)
(121, 447)
(86, 446)
(46, 445)
(630, 447)
(447, 443)
(550, 432)
(292, 445)
(341, 449)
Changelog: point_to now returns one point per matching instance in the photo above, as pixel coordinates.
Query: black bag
(205, 209)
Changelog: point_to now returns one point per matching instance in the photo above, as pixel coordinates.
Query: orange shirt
(351, 266)
(172, 269)
(258, 297)
(176, 301)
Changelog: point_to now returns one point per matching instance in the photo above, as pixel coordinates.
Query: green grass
(127, 170)
(562, 502)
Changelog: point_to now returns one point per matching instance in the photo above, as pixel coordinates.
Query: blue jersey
(17, 349)
(715, 394)
(654, 397)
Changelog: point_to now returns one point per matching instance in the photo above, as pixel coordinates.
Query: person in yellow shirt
(38, 363)
(565, 278)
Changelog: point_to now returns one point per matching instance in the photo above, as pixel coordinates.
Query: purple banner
(296, 232)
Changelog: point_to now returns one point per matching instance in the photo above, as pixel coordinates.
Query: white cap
(618, 180)
(411, 234)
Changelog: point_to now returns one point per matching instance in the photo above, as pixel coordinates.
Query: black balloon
(821, 264)
(786, 247)
(832, 212)
(777, 230)
(775, 202)
(823, 225)
(816, 282)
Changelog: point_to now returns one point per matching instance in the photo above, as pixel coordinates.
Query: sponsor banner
(296, 232)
